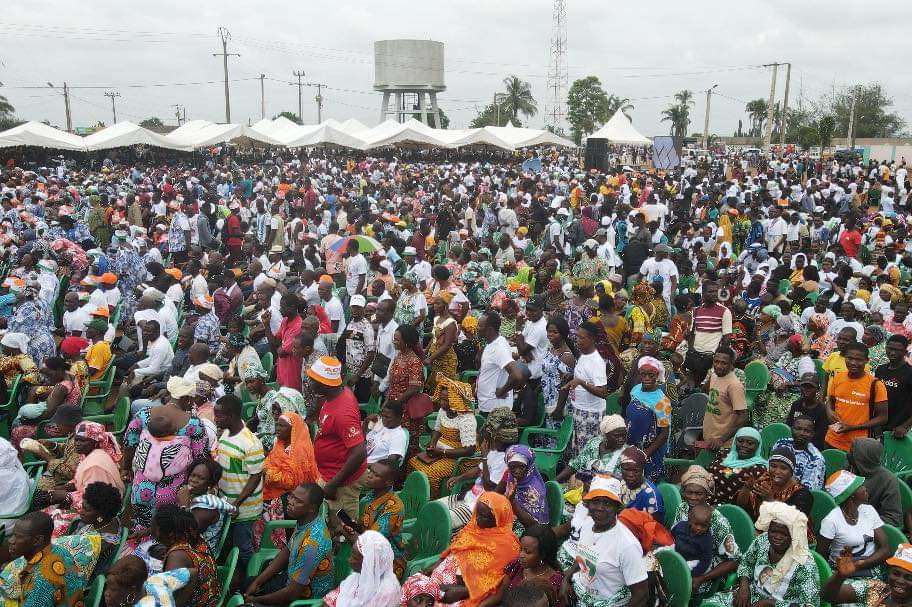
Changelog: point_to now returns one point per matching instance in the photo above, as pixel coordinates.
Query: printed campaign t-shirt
(726, 396)
(608, 561)
(853, 405)
(339, 432)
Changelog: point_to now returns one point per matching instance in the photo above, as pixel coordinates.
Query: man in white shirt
(158, 354)
(74, 318)
(422, 269)
(386, 328)
(356, 270)
(776, 232)
(660, 266)
(507, 219)
(534, 335)
(387, 439)
(332, 306)
(498, 373)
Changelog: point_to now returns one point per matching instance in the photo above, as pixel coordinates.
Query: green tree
(619, 104)
(679, 118)
(488, 117)
(871, 116)
(444, 119)
(808, 136)
(290, 115)
(825, 127)
(152, 123)
(757, 110)
(518, 98)
(5, 106)
(587, 106)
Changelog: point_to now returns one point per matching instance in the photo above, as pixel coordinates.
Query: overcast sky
(642, 50)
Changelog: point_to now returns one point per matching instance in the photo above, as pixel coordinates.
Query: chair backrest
(756, 376)
(741, 524)
(236, 600)
(897, 453)
(566, 430)
(341, 566)
(905, 495)
(433, 530)
(835, 459)
(823, 504)
(555, 497)
(895, 537)
(677, 578)
(95, 592)
(773, 433)
(671, 499)
(226, 572)
(823, 572)
(688, 414)
(223, 536)
(821, 374)
(416, 492)
(267, 362)
(613, 403)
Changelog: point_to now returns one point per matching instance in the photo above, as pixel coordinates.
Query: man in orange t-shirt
(856, 400)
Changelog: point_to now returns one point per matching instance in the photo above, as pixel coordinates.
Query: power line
(140, 86)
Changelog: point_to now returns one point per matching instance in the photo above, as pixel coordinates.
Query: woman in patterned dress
(649, 416)
(578, 309)
(733, 467)
(406, 378)
(176, 530)
(33, 317)
(411, 307)
(441, 355)
(844, 588)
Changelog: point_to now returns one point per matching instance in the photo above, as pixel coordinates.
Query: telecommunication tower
(558, 76)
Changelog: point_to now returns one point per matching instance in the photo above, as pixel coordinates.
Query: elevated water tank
(409, 73)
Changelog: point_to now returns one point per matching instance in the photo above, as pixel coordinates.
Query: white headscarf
(797, 553)
(376, 585)
(654, 363)
(19, 341)
(15, 482)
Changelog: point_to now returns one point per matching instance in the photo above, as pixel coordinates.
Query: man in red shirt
(339, 445)
(850, 239)
(233, 230)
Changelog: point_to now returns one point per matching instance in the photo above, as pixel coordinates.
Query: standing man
(711, 328)
(339, 445)
(179, 234)
(897, 377)
(235, 238)
(288, 366)
(856, 401)
(358, 345)
(726, 410)
(386, 329)
(660, 266)
(240, 454)
(498, 373)
(356, 269)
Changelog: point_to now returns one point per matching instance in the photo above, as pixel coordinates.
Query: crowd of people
(225, 375)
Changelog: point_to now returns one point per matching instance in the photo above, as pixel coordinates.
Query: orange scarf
(482, 554)
(645, 529)
(288, 466)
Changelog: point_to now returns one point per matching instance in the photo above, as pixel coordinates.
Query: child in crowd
(693, 540)
(386, 438)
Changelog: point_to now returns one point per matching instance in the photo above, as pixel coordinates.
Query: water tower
(410, 74)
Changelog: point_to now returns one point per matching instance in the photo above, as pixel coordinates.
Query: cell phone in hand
(347, 520)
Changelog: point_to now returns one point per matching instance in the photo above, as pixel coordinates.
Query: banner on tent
(666, 152)
(532, 165)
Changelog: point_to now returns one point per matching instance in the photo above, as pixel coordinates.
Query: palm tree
(519, 99)
(757, 110)
(677, 116)
(619, 104)
(685, 98)
(5, 106)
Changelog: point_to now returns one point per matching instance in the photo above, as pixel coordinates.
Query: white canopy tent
(125, 134)
(620, 130)
(41, 135)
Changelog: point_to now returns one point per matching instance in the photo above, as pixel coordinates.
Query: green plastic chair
(676, 575)
(371, 407)
(94, 404)
(555, 496)
(236, 600)
(268, 365)
(415, 493)
(433, 530)
(785, 285)
(613, 403)
(897, 455)
(821, 374)
(822, 506)
(223, 537)
(835, 459)
(773, 433)
(547, 459)
(9, 409)
(417, 565)
(895, 537)
(756, 380)
(823, 572)
(905, 496)
(671, 499)
(741, 524)
(117, 421)
(226, 573)
(268, 550)
(95, 592)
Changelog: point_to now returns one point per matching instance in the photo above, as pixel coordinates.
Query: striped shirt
(240, 457)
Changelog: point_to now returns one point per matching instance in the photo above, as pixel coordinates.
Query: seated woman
(785, 371)
(454, 434)
(680, 323)
(778, 568)
(128, 583)
(99, 455)
(372, 582)
(615, 572)
(101, 505)
(536, 565)
(263, 421)
(176, 530)
(384, 513)
(45, 572)
(637, 491)
(15, 483)
(199, 496)
(697, 489)
(842, 588)
(733, 467)
(854, 525)
(602, 454)
(777, 484)
(649, 416)
(291, 463)
(525, 488)
(15, 360)
(472, 567)
(66, 392)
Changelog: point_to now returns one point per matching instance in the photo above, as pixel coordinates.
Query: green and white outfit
(726, 548)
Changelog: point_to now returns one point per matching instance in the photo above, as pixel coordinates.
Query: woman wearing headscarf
(441, 356)
(16, 493)
(602, 454)
(578, 308)
(411, 307)
(283, 397)
(33, 317)
(777, 484)
(740, 464)
(642, 313)
(637, 491)
(99, 456)
(17, 361)
(649, 416)
(697, 488)
(525, 488)
(372, 582)
(778, 568)
(243, 357)
(773, 405)
(844, 588)
(820, 339)
(419, 591)
(766, 326)
(776, 343)
(454, 434)
(875, 338)
(473, 565)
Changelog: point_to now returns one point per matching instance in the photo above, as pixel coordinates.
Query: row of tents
(198, 134)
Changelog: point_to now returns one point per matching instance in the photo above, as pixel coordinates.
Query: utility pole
(262, 96)
(498, 100)
(706, 117)
(300, 74)
(177, 112)
(66, 105)
(113, 96)
(785, 102)
(851, 134)
(319, 100)
(767, 136)
(225, 35)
